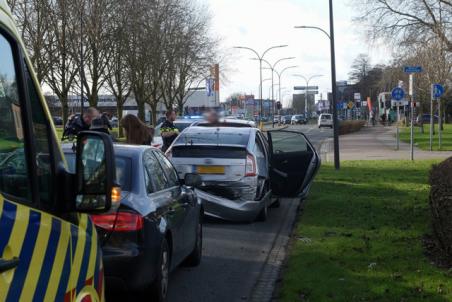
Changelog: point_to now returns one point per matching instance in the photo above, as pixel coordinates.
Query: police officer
(168, 131)
(78, 123)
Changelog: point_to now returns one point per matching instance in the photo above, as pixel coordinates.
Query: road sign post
(398, 94)
(411, 70)
(437, 92)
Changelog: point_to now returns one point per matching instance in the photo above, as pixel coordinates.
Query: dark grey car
(156, 227)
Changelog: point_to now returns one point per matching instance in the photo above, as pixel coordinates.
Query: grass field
(423, 139)
(359, 237)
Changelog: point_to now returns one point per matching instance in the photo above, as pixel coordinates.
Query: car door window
(260, 157)
(14, 174)
(155, 177)
(173, 179)
(288, 142)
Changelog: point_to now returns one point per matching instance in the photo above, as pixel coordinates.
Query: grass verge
(360, 237)
(423, 139)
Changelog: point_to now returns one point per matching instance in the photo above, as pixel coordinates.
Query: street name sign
(304, 88)
(412, 69)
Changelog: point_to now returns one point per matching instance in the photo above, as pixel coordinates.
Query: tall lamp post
(272, 68)
(333, 82)
(307, 88)
(260, 58)
(280, 74)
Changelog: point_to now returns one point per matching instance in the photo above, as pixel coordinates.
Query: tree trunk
(154, 114)
(64, 109)
(119, 108)
(141, 113)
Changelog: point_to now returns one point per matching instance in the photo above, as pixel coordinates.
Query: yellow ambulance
(48, 245)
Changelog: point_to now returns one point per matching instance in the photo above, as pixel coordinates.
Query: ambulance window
(14, 180)
(41, 144)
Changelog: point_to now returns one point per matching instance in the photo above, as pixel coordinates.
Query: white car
(325, 120)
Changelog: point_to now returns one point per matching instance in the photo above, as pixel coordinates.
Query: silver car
(241, 168)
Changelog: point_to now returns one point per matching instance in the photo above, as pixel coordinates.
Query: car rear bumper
(232, 210)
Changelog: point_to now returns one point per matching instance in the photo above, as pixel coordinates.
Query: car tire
(159, 288)
(194, 259)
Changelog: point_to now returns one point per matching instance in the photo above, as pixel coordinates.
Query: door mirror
(192, 180)
(95, 172)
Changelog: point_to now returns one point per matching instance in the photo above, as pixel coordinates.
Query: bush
(440, 200)
(346, 127)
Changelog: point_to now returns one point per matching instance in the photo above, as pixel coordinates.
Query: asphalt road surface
(234, 254)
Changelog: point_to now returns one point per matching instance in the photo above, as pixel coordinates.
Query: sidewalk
(375, 143)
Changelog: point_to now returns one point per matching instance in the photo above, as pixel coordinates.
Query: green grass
(359, 237)
(423, 139)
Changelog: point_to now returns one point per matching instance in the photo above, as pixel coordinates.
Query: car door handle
(6, 265)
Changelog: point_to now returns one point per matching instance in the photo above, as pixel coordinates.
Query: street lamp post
(307, 88)
(260, 58)
(272, 68)
(333, 80)
(280, 74)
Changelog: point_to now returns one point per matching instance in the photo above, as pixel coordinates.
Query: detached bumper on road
(232, 210)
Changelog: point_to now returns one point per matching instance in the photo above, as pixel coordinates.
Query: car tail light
(250, 167)
(119, 222)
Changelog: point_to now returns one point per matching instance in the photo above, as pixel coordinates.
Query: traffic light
(278, 105)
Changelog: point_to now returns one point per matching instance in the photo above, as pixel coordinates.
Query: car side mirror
(192, 180)
(95, 172)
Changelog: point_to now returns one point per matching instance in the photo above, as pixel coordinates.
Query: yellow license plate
(210, 169)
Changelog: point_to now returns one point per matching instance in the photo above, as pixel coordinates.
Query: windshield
(326, 117)
(123, 169)
(213, 138)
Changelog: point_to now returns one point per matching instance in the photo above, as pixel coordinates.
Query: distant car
(325, 120)
(241, 168)
(286, 120)
(156, 226)
(58, 121)
(298, 119)
(276, 119)
(425, 118)
(114, 122)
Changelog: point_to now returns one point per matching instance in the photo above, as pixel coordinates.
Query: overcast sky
(260, 24)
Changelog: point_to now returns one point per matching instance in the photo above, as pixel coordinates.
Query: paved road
(235, 254)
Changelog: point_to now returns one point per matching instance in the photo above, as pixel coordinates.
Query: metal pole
(334, 88)
(431, 122)
(412, 117)
(440, 122)
(81, 62)
(260, 93)
(398, 130)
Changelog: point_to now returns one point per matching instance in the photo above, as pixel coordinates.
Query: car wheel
(194, 259)
(159, 288)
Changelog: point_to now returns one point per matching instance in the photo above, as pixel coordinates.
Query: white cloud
(260, 24)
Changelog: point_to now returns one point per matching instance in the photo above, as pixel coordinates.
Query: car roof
(231, 123)
(124, 150)
(4, 6)
(238, 130)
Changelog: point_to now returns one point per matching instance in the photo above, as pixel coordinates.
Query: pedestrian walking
(137, 132)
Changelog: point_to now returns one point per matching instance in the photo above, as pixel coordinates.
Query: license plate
(210, 169)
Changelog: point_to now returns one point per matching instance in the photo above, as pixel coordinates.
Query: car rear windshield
(123, 169)
(326, 117)
(213, 138)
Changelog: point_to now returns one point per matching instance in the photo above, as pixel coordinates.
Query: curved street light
(260, 58)
(307, 87)
(330, 36)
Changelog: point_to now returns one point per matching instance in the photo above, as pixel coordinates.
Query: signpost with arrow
(398, 94)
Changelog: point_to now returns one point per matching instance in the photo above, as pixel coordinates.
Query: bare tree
(408, 21)
(60, 48)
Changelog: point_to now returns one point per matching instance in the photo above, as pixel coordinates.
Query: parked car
(286, 120)
(325, 120)
(241, 169)
(157, 225)
(227, 123)
(298, 119)
(57, 120)
(425, 119)
(276, 119)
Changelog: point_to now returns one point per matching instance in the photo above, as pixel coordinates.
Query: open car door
(293, 163)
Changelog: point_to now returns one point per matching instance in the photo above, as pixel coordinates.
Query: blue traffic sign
(412, 69)
(438, 90)
(398, 94)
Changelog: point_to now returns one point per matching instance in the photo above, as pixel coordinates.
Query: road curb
(266, 282)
